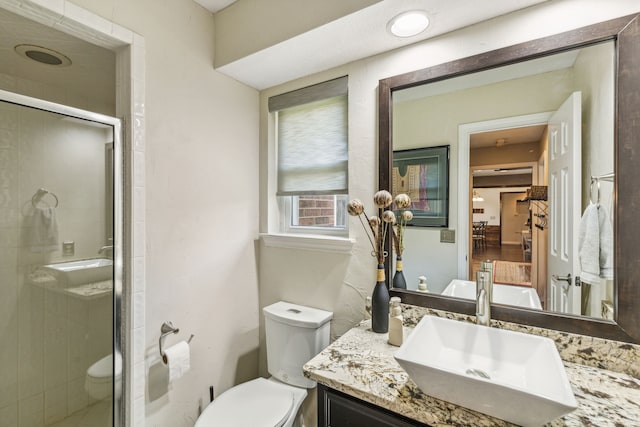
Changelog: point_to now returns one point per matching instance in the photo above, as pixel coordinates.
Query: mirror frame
(625, 31)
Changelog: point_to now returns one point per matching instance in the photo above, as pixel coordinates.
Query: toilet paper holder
(167, 328)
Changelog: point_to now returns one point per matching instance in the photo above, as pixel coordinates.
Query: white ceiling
(356, 36)
(502, 172)
(92, 69)
(521, 135)
(214, 5)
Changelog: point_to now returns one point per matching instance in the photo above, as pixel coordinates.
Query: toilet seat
(259, 402)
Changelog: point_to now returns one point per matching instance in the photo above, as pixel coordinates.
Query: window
(319, 211)
(312, 158)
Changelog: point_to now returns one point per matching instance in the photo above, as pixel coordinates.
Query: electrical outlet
(68, 248)
(447, 236)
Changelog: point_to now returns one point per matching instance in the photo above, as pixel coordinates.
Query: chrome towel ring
(40, 194)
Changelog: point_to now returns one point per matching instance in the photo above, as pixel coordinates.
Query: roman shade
(312, 139)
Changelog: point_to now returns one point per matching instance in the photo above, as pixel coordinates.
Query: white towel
(44, 230)
(595, 245)
(606, 244)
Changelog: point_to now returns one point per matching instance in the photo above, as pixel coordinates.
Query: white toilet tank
(294, 335)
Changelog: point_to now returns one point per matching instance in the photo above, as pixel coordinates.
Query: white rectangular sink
(81, 272)
(509, 375)
(521, 296)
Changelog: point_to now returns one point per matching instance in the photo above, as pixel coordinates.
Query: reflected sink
(81, 272)
(521, 296)
(509, 375)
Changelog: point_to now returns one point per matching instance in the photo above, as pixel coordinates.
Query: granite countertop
(361, 364)
(86, 291)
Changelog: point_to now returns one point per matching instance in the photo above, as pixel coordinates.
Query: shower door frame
(118, 225)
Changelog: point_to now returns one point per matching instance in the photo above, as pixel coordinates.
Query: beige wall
(435, 121)
(519, 153)
(594, 70)
(248, 26)
(513, 218)
(491, 203)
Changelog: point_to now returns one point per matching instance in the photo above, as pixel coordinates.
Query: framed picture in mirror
(423, 174)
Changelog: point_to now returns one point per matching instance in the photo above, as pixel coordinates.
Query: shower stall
(60, 265)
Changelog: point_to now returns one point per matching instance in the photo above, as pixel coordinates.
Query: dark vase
(380, 304)
(398, 277)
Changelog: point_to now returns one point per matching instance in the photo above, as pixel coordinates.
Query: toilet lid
(255, 403)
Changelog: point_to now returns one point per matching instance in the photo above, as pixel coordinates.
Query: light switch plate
(447, 236)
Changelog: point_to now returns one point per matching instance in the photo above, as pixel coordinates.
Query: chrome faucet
(107, 251)
(483, 298)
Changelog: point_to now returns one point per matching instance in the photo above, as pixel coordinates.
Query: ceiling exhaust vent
(42, 55)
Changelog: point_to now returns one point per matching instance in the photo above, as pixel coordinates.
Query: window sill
(309, 242)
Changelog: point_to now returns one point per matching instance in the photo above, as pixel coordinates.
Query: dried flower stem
(382, 229)
(373, 230)
(378, 225)
(396, 240)
(402, 201)
(399, 243)
(373, 246)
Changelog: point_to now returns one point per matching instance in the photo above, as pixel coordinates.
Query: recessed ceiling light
(42, 55)
(409, 23)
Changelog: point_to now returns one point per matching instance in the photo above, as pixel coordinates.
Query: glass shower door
(57, 299)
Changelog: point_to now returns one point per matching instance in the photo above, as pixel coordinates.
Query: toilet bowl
(294, 334)
(259, 402)
(99, 379)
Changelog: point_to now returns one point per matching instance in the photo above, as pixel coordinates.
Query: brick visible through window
(316, 211)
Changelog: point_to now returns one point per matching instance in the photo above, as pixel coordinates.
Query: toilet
(98, 382)
(294, 335)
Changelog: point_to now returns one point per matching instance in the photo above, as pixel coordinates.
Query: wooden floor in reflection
(512, 253)
(499, 252)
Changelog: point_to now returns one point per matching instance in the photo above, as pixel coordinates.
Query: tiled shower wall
(49, 337)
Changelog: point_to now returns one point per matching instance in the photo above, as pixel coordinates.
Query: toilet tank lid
(297, 315)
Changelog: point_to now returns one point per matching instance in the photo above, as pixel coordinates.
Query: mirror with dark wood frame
(625, 33)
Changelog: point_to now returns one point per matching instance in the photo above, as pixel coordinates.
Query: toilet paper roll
(178, 360)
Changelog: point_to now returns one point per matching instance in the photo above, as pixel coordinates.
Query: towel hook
(167, 328)
(597, 181)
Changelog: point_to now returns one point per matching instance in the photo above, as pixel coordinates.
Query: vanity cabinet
(336, 409)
